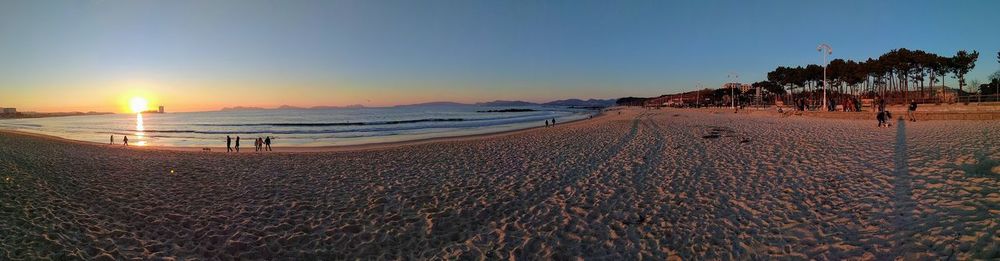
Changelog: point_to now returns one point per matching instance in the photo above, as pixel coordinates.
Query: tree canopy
(895, 73)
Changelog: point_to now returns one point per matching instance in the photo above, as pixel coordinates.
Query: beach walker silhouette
(267, 141)
(229, 144)
(237, 144)
(125, 140)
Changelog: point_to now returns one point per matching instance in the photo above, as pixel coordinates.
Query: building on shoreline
(159, 110)
(9, 111)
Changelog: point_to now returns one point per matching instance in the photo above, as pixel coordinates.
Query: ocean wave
(23, 125)
(310, 129)
(322, 124)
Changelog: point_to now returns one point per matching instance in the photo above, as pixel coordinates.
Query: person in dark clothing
(881, 118)
(546, 123)
(553, 121)
(267, 142)
(126, 141)
(112, 140)
(229, 144)
(911, 110)
(237, 143)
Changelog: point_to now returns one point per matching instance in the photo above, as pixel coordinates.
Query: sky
(204, 55)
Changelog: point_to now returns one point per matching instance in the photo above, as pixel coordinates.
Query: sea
(297, 127)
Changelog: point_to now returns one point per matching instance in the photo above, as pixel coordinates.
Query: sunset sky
(205, 55)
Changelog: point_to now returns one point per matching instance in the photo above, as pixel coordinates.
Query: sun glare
(138, 104)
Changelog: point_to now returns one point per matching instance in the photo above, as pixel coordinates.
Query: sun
(138, 104)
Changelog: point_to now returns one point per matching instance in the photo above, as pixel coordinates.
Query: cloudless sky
(204, 55)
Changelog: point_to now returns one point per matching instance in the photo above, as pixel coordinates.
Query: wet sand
(659, 184)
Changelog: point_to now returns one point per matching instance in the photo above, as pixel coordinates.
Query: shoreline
(310, 149)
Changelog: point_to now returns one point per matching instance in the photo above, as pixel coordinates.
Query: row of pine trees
(900, 74)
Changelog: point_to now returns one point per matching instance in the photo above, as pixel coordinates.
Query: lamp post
(828, 50)
(732, 89)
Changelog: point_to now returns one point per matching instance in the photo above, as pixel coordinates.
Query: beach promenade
(660, 184)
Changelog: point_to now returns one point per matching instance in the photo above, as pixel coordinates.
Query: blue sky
(193, 55)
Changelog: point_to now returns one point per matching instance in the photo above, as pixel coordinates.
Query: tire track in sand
(613, 191)
(522, 207)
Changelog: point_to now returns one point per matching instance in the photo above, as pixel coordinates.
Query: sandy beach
(649, 184)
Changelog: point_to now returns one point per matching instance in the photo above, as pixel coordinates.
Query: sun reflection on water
(139, 130)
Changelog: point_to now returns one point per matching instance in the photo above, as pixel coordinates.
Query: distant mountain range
(497, 103)
(503, 103)
(583, 103)
(432, 104)
(289, 107)
(506, 103)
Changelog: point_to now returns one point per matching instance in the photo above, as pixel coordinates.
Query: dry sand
(657, 184)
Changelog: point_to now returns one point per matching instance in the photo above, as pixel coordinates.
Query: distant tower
(161, 108)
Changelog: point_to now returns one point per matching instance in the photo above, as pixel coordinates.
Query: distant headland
(26, 115)
(575, 103)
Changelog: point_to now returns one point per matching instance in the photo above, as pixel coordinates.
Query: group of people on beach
(851, 104)
(883, 116)
(547, 124)
(124, 140)
(260, 144)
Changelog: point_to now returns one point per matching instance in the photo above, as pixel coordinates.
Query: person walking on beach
(229, 144)
(880, 116)
(126, 141)
(267, 141)
(112, 139)
(911, 110)
(256, 145)
(546, 123)
(237, 144)
(553, 121)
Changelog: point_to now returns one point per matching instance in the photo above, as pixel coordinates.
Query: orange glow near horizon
(117, 96)
(115, 93)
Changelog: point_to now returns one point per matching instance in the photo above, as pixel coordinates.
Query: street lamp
(732, 88)
(829, 50)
